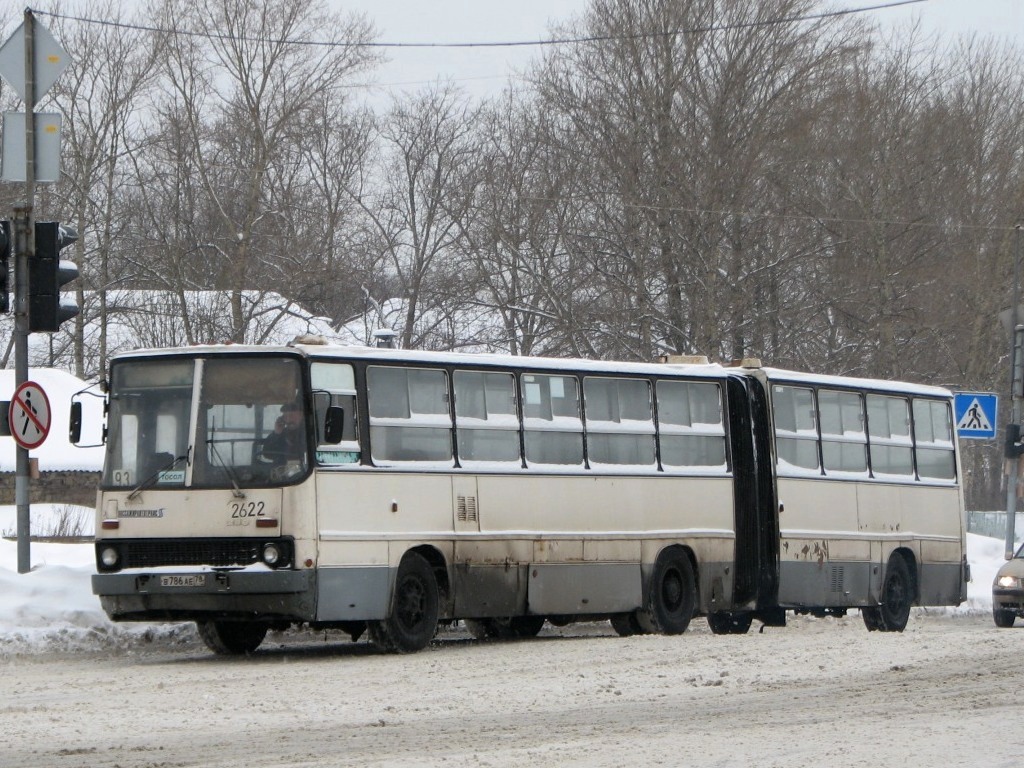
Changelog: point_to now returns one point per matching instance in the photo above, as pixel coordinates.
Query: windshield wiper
(149, 481)
(228, 470)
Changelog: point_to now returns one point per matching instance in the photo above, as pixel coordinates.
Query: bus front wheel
(231, 638)
(672, 595)
(414, 609)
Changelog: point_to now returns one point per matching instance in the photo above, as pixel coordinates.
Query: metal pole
(1016, 394)
(1013, 471)
(24, 243)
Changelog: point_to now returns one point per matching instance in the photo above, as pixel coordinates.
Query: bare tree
(681, 110)
(243, 93)
(100, 96)
(425, 194)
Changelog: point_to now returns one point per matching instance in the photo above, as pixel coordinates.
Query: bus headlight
(272, 554)
(1008, 582)
(109, 556)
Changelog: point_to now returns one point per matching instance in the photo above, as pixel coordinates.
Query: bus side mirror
(334, 425)
(75, 422)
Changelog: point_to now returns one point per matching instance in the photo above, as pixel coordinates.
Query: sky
(483, 71)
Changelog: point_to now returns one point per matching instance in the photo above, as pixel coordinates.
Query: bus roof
(703, 370)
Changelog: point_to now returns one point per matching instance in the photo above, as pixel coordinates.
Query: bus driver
(287, 441)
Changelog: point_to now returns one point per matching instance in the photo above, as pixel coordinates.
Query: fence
(994, 524)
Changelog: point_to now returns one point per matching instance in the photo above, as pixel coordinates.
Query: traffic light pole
(24, 247)
(22, 231)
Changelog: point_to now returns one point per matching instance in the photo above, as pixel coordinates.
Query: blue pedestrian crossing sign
(975, 414)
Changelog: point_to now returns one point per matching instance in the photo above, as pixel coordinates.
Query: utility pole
(24, 249)
(31, 60)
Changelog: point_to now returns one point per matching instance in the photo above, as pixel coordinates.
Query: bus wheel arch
(411, 622)
(671, 592)
(898, 593)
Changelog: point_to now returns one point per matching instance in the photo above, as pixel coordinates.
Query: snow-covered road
(818, 692)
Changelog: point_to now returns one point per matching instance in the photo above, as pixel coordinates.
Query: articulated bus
(386, 491)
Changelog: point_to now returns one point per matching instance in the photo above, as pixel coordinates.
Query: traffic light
(5, 266)
(47, 272)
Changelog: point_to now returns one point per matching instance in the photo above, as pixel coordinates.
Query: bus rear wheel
(896, 599)
(672, 595)
(725, 623)
(412, 622)
(627, 624)
(511, 628)
(231, 638)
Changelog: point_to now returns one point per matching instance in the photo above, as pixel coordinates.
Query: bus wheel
(1003, 617)
(231, 638)
(509, 628)
(627, 624)
(414, 609)
(724, 623)
(897, 597)
(672, 594)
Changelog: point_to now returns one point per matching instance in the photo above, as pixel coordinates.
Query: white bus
(250, 488)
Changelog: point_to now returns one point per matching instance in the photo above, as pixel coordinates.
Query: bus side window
(690, 424)
(334, 387)
(552, 426)
(843, 439)
(933, 440)
(486, 422)
(796, 433)
(409, 415)
(620, 423)
(889, 431)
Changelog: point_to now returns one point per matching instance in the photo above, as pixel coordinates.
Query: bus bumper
(202, 595)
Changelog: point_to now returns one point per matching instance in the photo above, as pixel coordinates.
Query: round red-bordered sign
(29, 415)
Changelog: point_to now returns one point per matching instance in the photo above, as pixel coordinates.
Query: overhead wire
(583, 39)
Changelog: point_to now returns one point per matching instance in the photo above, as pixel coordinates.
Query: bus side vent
(836, 578)
(467, 509)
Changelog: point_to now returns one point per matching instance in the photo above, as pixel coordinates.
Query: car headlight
(1008, 582)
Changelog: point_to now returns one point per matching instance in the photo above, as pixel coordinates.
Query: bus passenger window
(933, 440)
(620, 424)
(889, 430)
(552, 426)
(487, 425)
(796, 434)
(409, 417)
(690, 424)
(843, 439)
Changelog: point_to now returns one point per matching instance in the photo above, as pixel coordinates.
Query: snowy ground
(52, 608)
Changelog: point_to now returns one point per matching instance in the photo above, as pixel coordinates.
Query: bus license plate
(192, 580)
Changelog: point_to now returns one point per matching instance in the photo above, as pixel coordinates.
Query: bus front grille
(214, 552)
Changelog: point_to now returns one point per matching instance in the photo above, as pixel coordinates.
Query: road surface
(820, 692)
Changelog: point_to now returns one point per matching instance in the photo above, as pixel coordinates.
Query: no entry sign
(29, 415)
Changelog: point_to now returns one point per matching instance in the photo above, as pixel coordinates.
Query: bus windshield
(249, 430)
